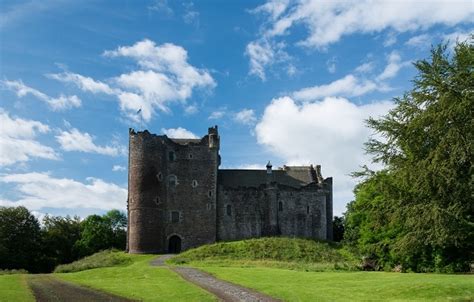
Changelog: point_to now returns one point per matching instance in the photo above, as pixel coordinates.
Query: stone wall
(172, 191)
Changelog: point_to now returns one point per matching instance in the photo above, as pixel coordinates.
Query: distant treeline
(27, 244)
(417, 214)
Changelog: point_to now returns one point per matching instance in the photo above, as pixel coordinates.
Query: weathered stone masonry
(179, 199)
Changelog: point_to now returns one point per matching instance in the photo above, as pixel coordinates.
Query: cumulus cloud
(118, 168)
(346, 86)
(215, 115)
(62, 102)
(245, 117)
(330, 132)
(74, 140)
(420, 41)
(18, 140)
(178, 133)
(164, 77)
(40, 190)
(82, 82)
(326, 22)
(393, 67)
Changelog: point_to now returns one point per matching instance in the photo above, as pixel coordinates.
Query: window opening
(174, 216)
(229, 210)
(280, 206)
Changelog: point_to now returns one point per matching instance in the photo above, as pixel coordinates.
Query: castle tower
(172, 192)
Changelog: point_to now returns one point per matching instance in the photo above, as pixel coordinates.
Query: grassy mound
(101, 259)
(290, 253)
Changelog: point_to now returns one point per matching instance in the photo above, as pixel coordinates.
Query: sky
(287, 81)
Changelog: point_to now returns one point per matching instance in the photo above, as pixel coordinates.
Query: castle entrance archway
(174, 244)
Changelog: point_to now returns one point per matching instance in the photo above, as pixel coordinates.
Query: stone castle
(178, 198)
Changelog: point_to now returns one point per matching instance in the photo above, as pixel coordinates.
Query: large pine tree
(419, 211)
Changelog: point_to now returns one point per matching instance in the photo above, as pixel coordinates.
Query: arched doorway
(174, 244)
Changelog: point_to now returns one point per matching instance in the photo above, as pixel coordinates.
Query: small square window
(174, 216)
(171, 156)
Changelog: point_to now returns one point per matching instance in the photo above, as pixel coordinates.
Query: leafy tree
(419, 211)
(102, 232)
(59, 236)
(20, 239)
(337, 228)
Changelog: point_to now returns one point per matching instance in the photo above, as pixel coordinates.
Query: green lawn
(14, 288)
(291, 285)
(139, 281)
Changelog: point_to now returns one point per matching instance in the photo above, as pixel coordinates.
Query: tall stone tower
(171, 192)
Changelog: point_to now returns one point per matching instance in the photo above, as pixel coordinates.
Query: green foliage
(105, 258)
(139, 281)
(337, 229)
(349, 286)
(418, 212)
(273, 251)
(102, 232)
(20, 240)
(60, 235)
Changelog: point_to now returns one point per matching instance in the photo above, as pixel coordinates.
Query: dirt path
(224, 290)
(46, 288)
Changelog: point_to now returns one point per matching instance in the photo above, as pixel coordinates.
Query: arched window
(194, 183)
(280, 206)
(157, 200)
(172, 181)
(229, 210)
(171, 156)
(159, 176)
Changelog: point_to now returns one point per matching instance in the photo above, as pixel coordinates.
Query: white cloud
(216, 115)
(346, 86)
(59, 103)
(118, 168)
(178, 133)
(191, 109)
(420, 41)
(164, 77)
(84, 83)
(365, 67)
(326, 22)
(393, 67)
(245, 117)
(74, 140)
(458, 36)
(17, 140)
(390, 39)
(331, 65)
(41, 190)
(330, 132)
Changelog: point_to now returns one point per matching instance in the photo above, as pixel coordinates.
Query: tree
(59, 236)
(422, 207)
(338, 228)
(102, 232)
(20, 240)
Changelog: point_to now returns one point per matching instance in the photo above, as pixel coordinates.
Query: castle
(178, 198)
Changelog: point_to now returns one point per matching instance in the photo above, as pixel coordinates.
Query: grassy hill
(280, 252)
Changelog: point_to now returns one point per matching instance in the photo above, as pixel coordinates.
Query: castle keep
(178, 198)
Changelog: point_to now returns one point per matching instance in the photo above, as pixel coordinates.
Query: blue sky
(286, 81)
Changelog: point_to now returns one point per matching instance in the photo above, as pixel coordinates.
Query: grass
(14, 288)
(278, 252)
(102, 259)
(290, 285)
(138, 280)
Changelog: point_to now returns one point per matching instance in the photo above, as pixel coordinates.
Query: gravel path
(48, 289)
(224, 290)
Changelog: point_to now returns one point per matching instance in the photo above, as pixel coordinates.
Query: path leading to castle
(48, 289)
(224, 290)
